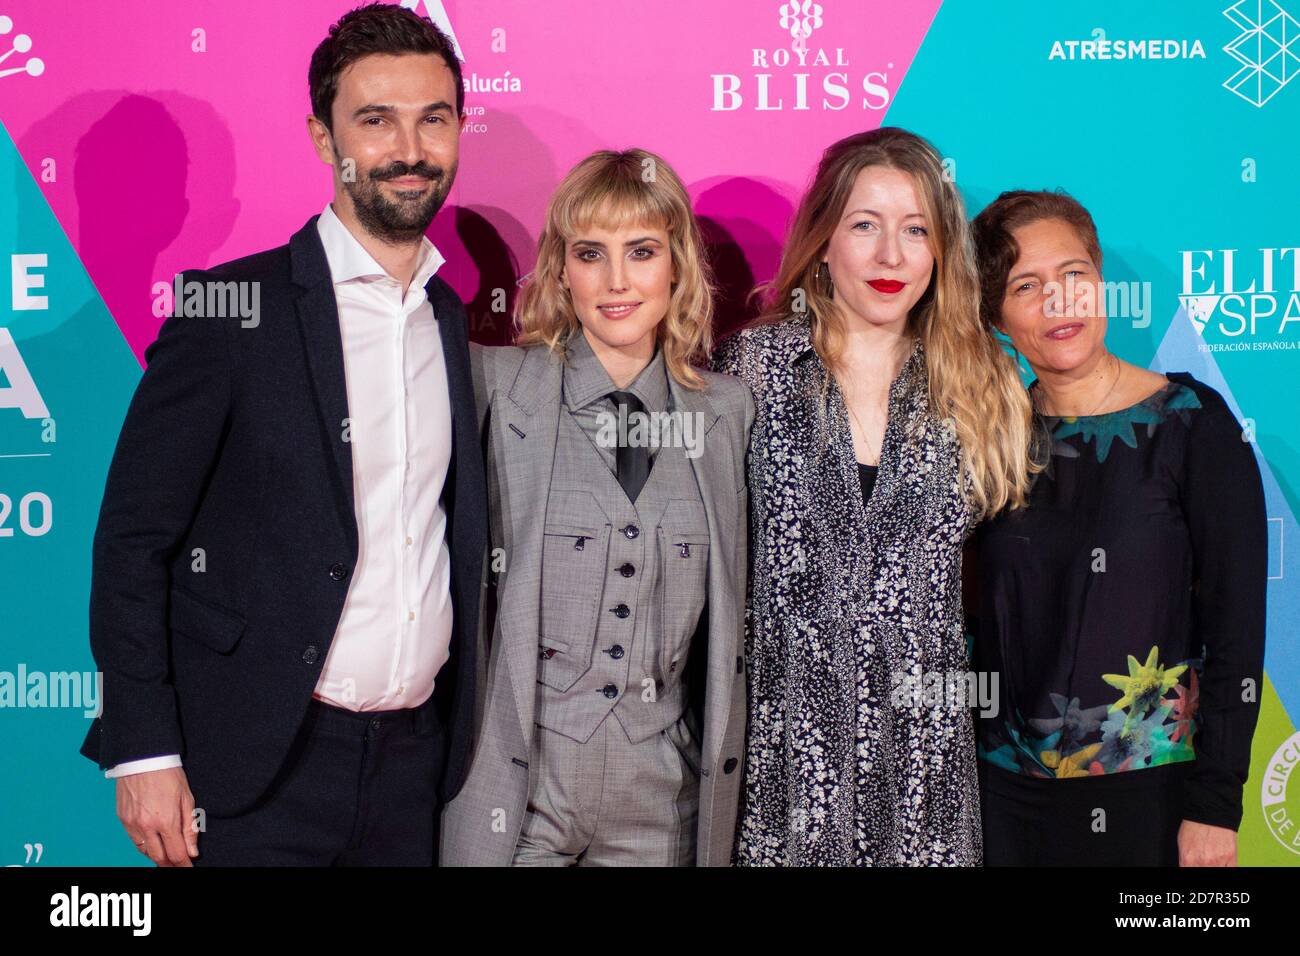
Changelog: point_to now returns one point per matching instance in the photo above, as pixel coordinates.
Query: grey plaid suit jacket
(518, 395)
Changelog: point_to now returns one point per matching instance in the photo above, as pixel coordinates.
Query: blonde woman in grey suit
(613, 715)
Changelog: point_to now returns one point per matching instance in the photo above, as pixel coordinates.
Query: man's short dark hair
(374, 28)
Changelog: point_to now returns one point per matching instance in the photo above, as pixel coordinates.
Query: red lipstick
(887, 286)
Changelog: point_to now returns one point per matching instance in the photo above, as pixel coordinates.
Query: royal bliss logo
(800, 74)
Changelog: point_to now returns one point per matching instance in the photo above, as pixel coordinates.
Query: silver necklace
(1119, 370)
(861, 430)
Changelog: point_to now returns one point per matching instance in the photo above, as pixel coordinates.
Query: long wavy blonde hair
(972, 380)
(614, 189)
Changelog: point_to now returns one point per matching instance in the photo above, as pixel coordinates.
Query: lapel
(715, 470)
(530, 409)
(318, 321)
(449, 312)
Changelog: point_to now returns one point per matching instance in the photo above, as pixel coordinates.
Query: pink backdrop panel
(182, 142)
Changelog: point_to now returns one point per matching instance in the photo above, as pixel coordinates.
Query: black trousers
(1121, 819)
(356, 789)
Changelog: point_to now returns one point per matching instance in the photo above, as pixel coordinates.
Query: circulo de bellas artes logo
(1280, 800)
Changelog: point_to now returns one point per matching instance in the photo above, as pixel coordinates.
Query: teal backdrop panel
(1177, 124)
(58, 808)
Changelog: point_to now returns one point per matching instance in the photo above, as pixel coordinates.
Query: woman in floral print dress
(888, 422)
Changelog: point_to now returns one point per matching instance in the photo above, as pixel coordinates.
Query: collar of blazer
(318, 319)
(539, 384)
(310, 269)
(524, 429)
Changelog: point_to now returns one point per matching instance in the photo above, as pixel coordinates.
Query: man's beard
(406, 219)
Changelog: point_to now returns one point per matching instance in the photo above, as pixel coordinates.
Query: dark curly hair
(996, 251)
(374, 28)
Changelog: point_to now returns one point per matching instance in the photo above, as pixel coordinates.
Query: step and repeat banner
(140, 139)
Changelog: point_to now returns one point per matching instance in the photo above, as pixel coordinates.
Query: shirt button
(616, 651)
(631, 531)
(610, 691)
(408, 541)
(310, 654)
(626, 570)
(338, 571)
(410, 615)
(621, 611)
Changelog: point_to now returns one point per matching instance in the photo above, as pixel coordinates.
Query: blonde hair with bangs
(614, 189)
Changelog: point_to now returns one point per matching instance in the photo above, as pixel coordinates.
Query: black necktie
(632, 461)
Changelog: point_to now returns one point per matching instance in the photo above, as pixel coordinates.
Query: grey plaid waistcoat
(623, 586)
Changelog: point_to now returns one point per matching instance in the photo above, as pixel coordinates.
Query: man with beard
(287, 564)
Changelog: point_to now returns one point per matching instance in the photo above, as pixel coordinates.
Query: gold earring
(823, 274)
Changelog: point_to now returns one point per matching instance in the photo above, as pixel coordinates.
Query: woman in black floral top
(1123, 609)
(872, 359)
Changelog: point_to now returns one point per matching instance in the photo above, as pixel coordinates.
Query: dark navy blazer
(235, 444)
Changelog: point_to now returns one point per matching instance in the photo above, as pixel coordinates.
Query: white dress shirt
(395, 630)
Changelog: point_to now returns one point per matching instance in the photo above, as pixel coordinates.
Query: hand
(157, 809)
(1200, 844)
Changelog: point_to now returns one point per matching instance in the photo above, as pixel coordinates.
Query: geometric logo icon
(1268, 50)
(22, 43)
(1199, 308)
(801, 18)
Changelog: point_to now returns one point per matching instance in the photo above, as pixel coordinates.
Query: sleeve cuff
(1218, 808)
(143, 765)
